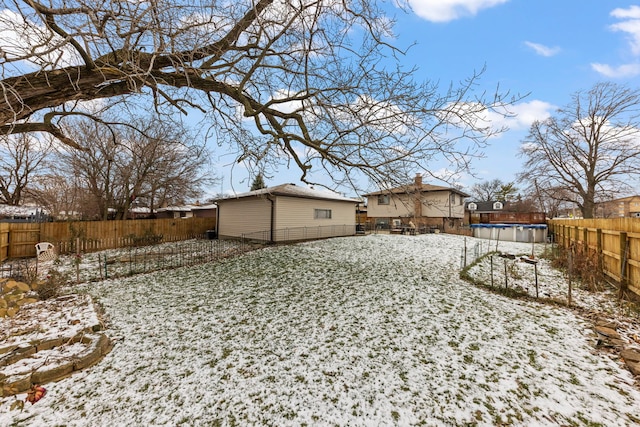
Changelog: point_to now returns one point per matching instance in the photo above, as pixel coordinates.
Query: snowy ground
(375, 330)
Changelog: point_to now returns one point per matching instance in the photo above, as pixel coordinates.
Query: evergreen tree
(258, 183)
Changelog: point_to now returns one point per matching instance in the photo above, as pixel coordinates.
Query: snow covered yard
(375, 330)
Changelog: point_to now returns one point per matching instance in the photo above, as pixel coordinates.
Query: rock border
(97, 345)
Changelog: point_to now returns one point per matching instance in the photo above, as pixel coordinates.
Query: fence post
(599, 250)
(535, 271)
(492, 285)
(76, 261)
(570, 274)
(624, 254)
(465, 252)
(506, 279)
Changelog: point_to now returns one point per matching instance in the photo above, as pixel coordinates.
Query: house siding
(435, 204)
(400, 205)
(619, 208)
(294, 219)
(244, 216)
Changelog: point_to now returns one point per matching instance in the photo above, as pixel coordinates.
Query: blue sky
(546, 49)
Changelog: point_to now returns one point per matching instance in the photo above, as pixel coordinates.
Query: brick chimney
(417, 202)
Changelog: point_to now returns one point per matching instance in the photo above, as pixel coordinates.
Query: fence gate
(23, 238)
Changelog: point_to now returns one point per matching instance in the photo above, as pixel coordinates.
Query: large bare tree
(149, 161)
(589, 150)
(486, 191)
(22, 158)
(313, 83)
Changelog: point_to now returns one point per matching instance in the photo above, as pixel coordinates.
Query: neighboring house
(184, 211)
(626, 207)
(140, 212)
(498, 212)
(427, 206)
(498, 220)
(205, 211)
(9, 213)
(286, 213)
(188, 211)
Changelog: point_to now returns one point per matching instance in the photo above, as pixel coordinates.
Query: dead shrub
(583, 265)
(52, 286)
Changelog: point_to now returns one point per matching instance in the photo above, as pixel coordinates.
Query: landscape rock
(605, 323)
(13, 295)
(630, 355)
(23, 287)
(15, 384)
(634, 367)
(608, 332)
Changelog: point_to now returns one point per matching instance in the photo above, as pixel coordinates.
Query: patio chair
(45, 251)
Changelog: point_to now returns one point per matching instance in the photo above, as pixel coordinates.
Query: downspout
(273, 218)
(217, 221)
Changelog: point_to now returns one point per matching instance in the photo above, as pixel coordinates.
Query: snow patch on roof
(20, 211)
(293, 190)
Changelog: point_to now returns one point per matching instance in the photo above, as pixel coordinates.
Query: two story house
(626, 207)
(426, 206)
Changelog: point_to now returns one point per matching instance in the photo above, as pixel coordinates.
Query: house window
(384, 199)
(472, 206)
(322, 214)
(497, 205)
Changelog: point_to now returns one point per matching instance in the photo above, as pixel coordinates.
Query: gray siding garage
(286, 213)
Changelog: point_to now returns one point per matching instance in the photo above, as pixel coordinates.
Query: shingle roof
(424, 188)
(292, 190)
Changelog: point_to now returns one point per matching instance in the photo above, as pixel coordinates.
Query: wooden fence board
(18, 240)
(4, 241)
(22, 239)
(619, 240)
(633, 260)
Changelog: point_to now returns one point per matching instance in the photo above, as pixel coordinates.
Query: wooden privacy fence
(18, 240)
(615, 241)
(4, 241)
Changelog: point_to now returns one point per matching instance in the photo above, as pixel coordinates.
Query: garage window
(322, 214)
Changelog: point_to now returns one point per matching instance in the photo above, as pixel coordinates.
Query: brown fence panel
(633, 261)
(617, 240)
(23, 237)
(4, 241)
(611, 254)
(18, 240)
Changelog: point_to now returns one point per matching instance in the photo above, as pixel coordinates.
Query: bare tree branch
(279, 82)
(590, 150)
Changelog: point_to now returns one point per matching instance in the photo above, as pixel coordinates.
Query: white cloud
(632, 28)
(449, 10)
(630, 24)
(621, 71)
(519, 116)
(633, 12)
(529, 112)
(543, 50)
